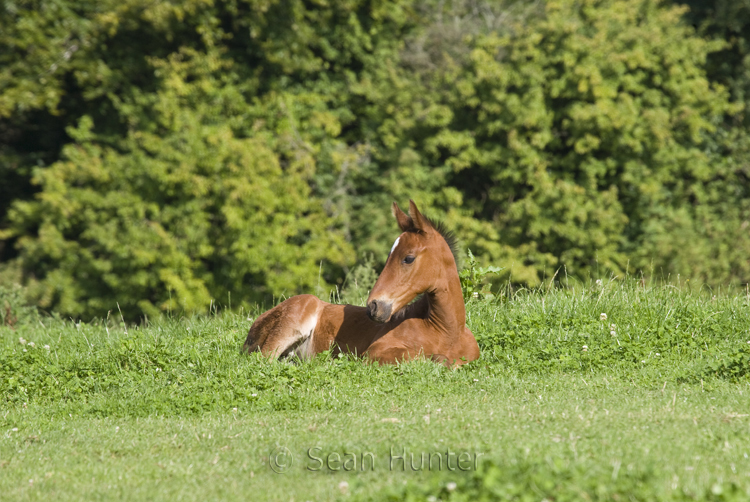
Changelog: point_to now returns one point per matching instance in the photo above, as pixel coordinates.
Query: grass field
(650, 403)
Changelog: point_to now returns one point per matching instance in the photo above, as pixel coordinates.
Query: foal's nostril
(379, 311)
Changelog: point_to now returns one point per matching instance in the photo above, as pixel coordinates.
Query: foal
(389, 329)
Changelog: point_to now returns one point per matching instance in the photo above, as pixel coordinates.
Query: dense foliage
(162, 155)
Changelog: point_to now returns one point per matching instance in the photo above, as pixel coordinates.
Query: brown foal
(390, 329)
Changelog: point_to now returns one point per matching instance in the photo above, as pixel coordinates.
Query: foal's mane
(448, 235)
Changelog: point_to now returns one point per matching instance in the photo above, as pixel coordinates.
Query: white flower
(343, 486)
(585, 348)
(32, 344)
(46, 347)
(21, 341)
(450, 486)
(599, 282)
(613, 333)
(603, 316)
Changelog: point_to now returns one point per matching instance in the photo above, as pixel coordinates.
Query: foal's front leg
(389, 355)
(395, 355)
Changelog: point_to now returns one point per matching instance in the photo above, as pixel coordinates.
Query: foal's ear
(419, 222)
(404, 221)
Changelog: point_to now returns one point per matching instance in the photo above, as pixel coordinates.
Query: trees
(187, 147)
(171, 218)
(727, 20)
(160, 155)
(589, 138)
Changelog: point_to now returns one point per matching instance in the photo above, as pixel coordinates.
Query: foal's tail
(266, 324)
(253, 341)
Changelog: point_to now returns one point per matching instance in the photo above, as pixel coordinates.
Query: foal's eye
(409, 259)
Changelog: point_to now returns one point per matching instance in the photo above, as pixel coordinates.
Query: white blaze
(394, 245)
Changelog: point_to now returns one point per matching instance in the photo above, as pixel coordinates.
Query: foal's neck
(447, 312)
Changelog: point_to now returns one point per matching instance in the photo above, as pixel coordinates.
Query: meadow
(615, 390)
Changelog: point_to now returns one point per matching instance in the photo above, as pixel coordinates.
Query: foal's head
(420, 261)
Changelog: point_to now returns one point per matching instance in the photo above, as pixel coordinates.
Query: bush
(591, 138)
(181, 211)
(14, 308)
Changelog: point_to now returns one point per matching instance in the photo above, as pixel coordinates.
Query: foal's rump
(286, 329)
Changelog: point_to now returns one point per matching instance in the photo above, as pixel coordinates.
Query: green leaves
(588, 121)
(170, 220)
(160, 156)
(474, 277)
(190, 152)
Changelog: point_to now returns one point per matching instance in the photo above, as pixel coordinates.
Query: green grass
(171, 410)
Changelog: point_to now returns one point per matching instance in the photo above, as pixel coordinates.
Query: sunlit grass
(172, 410)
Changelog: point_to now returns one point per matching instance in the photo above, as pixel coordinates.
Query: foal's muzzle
(379, 311)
